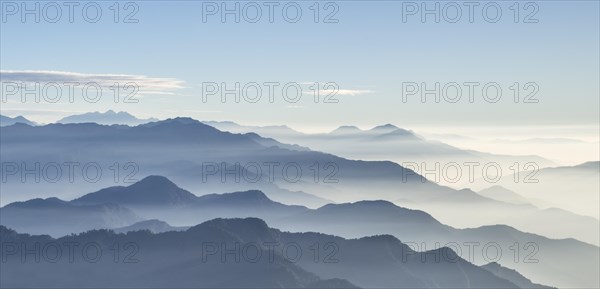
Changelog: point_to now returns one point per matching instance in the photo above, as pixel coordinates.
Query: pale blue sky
(370, 52)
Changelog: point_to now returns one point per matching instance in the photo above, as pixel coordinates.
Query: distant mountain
(389, 142)
(504, 195)
(158, 197)
(151, 191)
(512, 275)
(499, 205)
(192, 145)
(468, 196)
(366, 218)
(154, 197)
(154, 226)
(109, 117)
(397, 135)
(251, 203)
(6, 121)
(593, 165)
(380, 211)
(195, 258)
(233, 127)
(253, 199)
(345, 130)
(381, 132)
(269, 142)
(571, 188)
(56, 217)
(158, 191)
(386, 128)
(545, 221)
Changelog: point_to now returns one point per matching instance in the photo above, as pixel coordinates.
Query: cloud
(326, 90)
(29, 112)
(197, 111)
(145, 84)
(350, 92)
(353, 92)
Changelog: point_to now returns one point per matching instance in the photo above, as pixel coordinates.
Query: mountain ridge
(109, 117)
(6, 121)
(405, 268)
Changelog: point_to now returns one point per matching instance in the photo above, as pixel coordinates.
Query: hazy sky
(370, 54)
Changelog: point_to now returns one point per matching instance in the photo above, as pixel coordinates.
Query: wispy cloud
(196, 111)
(145, 84)
(339, 91)
(353, 92)
(347, 92)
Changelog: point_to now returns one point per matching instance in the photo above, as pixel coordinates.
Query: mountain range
(571, 188)
(197, 258)
(156, 197)
(206, 160)
(109, 117)
(6, 121)
(503, 194)
(191, 145)
(387, 142)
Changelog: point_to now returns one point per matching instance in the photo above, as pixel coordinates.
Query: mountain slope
(56, 217)
(512, 275)
(504, 195)
(154, 226)
(195, 262)
(150, 191)
(571, 188)
(536, 258)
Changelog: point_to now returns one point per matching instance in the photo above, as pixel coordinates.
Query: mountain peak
(156, 182)
(251, 221)
(254, 194)
(150, 191)
(364, 204)
(176, 120)
(39, 203)
(153, 225)
(182, 119)
(243, 226)
(376, 210)
(245, 197)
(6, 121)
(346, 129)
(385, 128)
